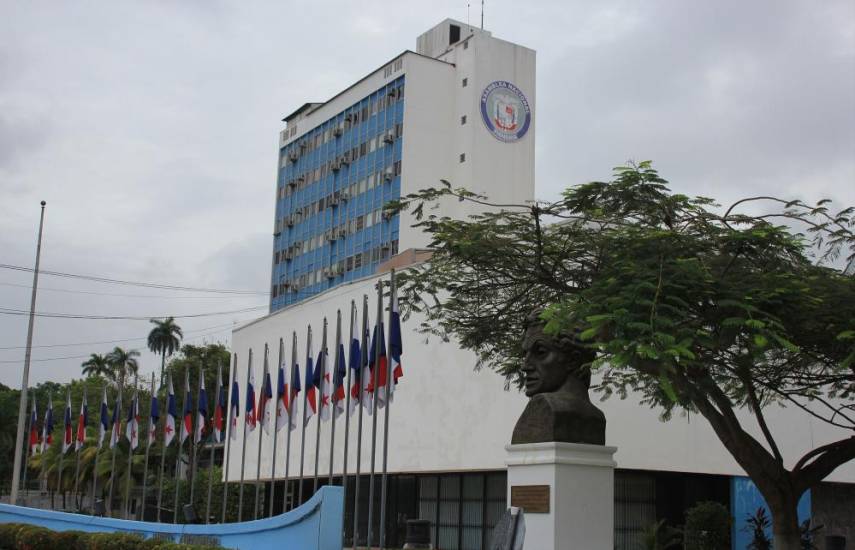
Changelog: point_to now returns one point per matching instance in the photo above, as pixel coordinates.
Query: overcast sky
(151, 130)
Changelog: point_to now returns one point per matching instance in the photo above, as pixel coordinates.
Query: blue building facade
(332, 184)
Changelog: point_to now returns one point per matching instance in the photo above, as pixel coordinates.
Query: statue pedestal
(580, 481)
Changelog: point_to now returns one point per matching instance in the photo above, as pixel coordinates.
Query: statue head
(554, 362)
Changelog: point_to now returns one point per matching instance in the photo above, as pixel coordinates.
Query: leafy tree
(693, 306)
(97, 365)
(124, 363)
(193, 358)
(165, 339)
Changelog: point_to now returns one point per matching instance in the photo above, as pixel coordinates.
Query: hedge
(19, 536)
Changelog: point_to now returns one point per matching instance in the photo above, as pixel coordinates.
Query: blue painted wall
(316, 525)
(745, 499)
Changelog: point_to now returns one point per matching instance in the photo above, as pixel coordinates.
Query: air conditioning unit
(336, 165)
(289, 221)
(292, 184)
(389, 137)
(304, 145)
(341, 233)
(295, 289)
(337, 131)
(330, 273)
(345, 158)
(386, 215)
(288, 255)
(344, 197)
(332, 200)
(301, 179)
(393, 92)
(385, 246)
(329, 235)
(388, 175)
(348, 117)
(293, 156)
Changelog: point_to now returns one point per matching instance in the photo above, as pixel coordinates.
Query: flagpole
(243, 451)
(336, 366)
(77, 466)
(114, 428)
(374, 378)
(62, 455)
(347, 406)
(213, 442)
(388, 398)
(163, 453)
(149, 440)
(194, 448)
(290, 414)
(322, 366)
(305, 404)
(97, 452)
(276, 428)
(180, 446)
(131, 449)
(363, 361)
(229, 433)
(260, 427)
(28, 451)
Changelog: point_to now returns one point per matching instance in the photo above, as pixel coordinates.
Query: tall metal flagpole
(261, 397)
(305, 401)
(132, 413)
(363, 361)
(195, 446)
(27, 429)
(388, 399)
(150, 436)
(336, 366)
(243, 450)
(97, 452)
(180, 446)
(230, 434)
(62, 450)
(77, 450)
(275, 425)
(115, 428)
(292, 378)
(374, 378)
(214, 441)
(22, 405)
(347, 402)
(322, 365)
(163, 451)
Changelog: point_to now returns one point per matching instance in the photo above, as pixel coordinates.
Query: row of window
(341, 231)
(356, 261)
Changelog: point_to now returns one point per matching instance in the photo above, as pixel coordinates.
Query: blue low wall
(316, 525)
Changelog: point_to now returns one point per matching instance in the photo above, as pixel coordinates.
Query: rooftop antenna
(468, 22)
(482, 15)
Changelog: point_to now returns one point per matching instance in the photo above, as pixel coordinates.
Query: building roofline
(309, 105)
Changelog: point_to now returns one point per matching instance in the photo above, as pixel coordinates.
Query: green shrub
(707, 527)
(115, 541)
(32, 537)
(8, 532)
(71, 540)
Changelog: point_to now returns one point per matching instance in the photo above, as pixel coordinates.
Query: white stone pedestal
(581, 494)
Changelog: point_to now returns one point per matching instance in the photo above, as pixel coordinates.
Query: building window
(465, 82)
(462, 157)
(463, 120)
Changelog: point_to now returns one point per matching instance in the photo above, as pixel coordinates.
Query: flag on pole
(282, 398)
(396, 346)
(311, 395)
(378, 364)
(154, 417)
(338, 395)
(68, 438)
(171, 415)
(187, 419)
(293, 392)
(82, 419)
(235, 408)
(34, 431)
(132, 423)
(202, 413)
(251, 414)
(324, 385)
(355, 365)
(47, 427)
(115, 422)
(263, 402)
(219, 409)
(104, 421)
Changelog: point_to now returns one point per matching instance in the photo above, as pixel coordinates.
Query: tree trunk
(785, 522)
(162, 365)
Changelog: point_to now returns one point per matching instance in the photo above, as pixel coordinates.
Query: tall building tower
(460, 108)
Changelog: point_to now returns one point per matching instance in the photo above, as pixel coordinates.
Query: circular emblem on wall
(505, 111)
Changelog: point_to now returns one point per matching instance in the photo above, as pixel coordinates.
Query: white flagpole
(28, 450)
(243, 451)
(275, 426)
(133, 412)
(388, 399)
(150, 427)
(229, 431)
(77, 466)
(194, 446)
(363, 361)
(97, 452)
(305, 404)
(374, 377)
(332, 392)
(292, 378)
(213, 442)
(322, 365)
(347, 383)
(163, 450)
(260, 429)
(180, 446)
(62, 449)
(113, 428)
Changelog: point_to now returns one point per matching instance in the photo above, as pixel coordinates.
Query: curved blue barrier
(316, 525)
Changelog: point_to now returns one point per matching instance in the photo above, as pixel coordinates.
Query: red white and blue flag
(359, 372)
(34, 430)
(282, 398)
(68, 436)
(251, 417)
(153, 417)
(104, 420)
(235, 408)
(218, 421)
(311, 394)
(132, 423)
(82, 419)
(202, 409)
(264, 399)
(47, 427)
(396, 346)
(187, 418)
(377, 361)
(338, 394)
(293, 391)
(323, 382)
(171, 415)
(115, 422)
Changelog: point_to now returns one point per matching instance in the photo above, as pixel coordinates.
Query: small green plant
(660, 536)
(758, 524)
(8, 533)
(807, 535)
(707, 527)
(31, 537)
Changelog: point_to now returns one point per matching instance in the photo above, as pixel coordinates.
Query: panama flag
(202, 411)
(311, 395)
(115, 422)
(219, 409)
(68, 438)
(132, 423)
(187, 420)
(264, 402)
(104, 421)
(47, 427)
(338, 394)
(396, 347)
(251, 419)
(153, 418)
(322, 381)
(34, 431)
(171, 415)
(235, 406)
(82, 419)
(377, 361)
(293, 392)
(282, 399)
(355, 365)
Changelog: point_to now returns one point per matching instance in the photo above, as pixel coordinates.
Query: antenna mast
(482, 15)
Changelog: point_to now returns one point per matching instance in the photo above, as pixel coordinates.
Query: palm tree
(97, 365)
(123, 363)
(165, 339)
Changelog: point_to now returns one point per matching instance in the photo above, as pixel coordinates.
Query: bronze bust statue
(557, 380)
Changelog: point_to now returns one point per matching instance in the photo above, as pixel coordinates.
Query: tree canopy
(692, 305)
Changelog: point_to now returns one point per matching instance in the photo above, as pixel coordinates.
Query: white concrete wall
(449, 417)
